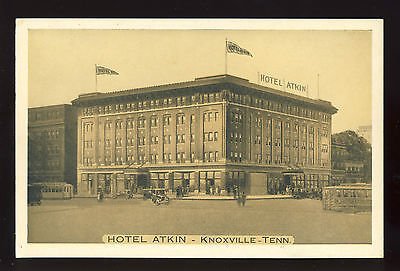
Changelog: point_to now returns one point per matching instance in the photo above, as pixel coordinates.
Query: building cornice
(212, 81)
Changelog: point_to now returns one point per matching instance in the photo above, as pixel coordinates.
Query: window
(192, 138)
(154, 140)
(108, 142)
(215, 136)
(258, 122)
(167, 120)
(180, 119)
(192, 157)
(216, 116)
(142, 158)
(141, 122)
(129, 141)
(167, 139)
(192, 119)
(210, 136)
(180, 157)
(108, 125)
(212, 156)
(141, 141)
(205, 156)
(180, 138)
(153, 158)
(153, 121)
(118, 124)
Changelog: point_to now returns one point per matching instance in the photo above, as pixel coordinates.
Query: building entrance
(210, 186)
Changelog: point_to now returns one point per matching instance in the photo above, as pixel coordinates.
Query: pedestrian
(239, 200)
(243, 199)
(219, 190)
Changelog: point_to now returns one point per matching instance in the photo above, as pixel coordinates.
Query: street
(86, 220)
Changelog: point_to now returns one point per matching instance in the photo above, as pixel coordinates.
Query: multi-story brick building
(213, 132)
(52, 144)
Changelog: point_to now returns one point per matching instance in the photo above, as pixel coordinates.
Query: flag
(103, 70)
(232, 47)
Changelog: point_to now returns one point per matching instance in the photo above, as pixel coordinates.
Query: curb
(188, 198)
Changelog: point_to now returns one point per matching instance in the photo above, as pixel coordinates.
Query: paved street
(86, 220)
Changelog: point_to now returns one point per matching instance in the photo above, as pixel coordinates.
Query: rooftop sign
(282, 84)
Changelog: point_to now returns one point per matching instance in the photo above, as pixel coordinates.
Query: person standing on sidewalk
(243, 196)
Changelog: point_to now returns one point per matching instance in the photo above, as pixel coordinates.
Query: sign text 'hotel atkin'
(282, 84)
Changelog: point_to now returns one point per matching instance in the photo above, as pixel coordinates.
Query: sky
(61, 63)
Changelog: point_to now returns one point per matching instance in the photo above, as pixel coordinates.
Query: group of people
(181, 191)
(212, 190)
(301, 192)
(241, 199)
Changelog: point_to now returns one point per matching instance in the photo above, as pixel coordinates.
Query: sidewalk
(248, 197)
(201, 197)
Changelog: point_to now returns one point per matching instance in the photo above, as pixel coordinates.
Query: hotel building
(206, 135)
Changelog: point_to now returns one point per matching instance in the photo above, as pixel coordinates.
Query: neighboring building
(344, 169)
(52, 144)
(339, 155)
(213, 132)
(365, 132)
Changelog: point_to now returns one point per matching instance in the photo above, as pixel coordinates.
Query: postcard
(199, 138)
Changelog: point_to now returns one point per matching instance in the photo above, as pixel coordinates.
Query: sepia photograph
(186, 138)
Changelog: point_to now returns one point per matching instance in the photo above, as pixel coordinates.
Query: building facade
(52, 144)
(207, 135)
(344, 169)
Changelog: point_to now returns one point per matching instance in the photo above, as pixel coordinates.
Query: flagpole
(226, 56)
(318, 86)
(95, 75)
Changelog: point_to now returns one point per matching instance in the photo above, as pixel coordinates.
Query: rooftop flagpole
(318, 86)
(95, 75)
(226, 56)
